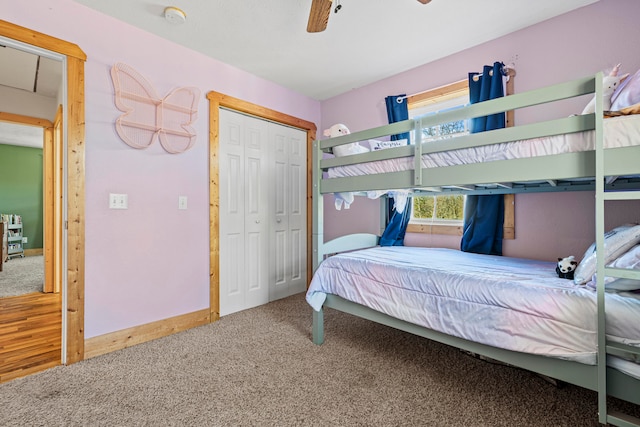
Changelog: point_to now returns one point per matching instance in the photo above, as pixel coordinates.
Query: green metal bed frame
(536, 174)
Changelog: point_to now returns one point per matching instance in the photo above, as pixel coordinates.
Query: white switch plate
(182, 202)
(118, 201)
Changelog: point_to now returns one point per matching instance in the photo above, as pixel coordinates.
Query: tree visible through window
(447, 208)
(444, 130)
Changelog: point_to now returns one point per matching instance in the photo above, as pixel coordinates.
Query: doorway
(68, 249)
(26, 178)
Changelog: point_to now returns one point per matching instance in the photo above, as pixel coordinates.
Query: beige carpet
(260, 368)
(21, 276)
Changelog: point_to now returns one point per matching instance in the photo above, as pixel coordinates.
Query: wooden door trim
(75, 176)
(57, 199)
(217, 100)
(48, 194)
(35, 38)
(48, 186)
(25, 120)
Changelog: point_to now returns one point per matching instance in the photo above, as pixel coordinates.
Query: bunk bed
(605, 163)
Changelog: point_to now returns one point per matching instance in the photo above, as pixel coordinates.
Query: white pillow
(629, 260)
(616, 242)
(374, 144)
(349, 149)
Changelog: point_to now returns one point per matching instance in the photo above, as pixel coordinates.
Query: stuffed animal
(340, 151)
(610, 84)
(347, 149)
(566, 267)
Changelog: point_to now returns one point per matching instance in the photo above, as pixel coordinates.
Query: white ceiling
(367, 40)
(23, 135)
(27, 74)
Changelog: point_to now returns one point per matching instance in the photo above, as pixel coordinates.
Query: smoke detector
(175, 15)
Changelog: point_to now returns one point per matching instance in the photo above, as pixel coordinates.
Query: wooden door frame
(217, 100)
(48, 193)
(55, 204)
(74, 118)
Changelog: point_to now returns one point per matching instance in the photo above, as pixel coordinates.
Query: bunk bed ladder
(607, 347)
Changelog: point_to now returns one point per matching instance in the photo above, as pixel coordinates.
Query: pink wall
(570, 46)
(151, 261)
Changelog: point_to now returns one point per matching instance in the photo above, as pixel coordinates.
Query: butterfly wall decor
(147, 115)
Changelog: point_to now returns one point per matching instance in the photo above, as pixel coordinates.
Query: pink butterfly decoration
(147, 115)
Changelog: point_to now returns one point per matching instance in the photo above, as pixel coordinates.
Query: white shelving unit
(14, 241)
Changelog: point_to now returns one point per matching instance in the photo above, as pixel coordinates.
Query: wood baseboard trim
(124, 338)
(33, 252)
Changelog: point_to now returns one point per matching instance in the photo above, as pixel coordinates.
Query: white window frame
(433, 220)
(438, 99)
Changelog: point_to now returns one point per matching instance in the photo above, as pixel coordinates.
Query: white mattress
(511, 303)
(620, 131)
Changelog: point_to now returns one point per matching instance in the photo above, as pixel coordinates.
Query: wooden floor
(30, 334)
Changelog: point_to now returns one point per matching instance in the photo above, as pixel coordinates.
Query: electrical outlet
(25, 240)
(182, 202)
(118, 201)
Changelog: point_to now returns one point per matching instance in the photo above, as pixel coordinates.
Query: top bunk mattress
(623, 131)
(511, 303)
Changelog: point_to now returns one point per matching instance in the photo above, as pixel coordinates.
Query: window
(444, 214)
(439, 214)
(441, 209)
(446, 98)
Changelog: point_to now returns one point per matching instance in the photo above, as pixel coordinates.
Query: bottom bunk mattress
(511, 303)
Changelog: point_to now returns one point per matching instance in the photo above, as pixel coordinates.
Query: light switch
(118, 201)
(182, 202)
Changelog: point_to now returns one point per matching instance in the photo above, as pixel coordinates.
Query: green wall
(21, 183)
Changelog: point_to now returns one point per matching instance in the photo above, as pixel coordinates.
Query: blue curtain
(393, 234)
(484, 215)
(397, 111)
(397, 226)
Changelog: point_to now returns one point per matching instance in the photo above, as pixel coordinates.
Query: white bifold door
(263, 211)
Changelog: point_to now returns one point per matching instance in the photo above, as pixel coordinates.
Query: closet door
(289, 222)
(244, 212)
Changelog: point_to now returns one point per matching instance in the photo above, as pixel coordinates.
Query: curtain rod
(510, 71)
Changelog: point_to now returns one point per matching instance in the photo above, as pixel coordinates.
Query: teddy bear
(610, 83)
(343, 150)
(566, 267)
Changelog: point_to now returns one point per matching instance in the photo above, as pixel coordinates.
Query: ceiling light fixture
(175, 15)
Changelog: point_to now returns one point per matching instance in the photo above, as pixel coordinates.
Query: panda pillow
(616, 242)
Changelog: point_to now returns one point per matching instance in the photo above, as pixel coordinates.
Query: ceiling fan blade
(319, 15)
(424, 1)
